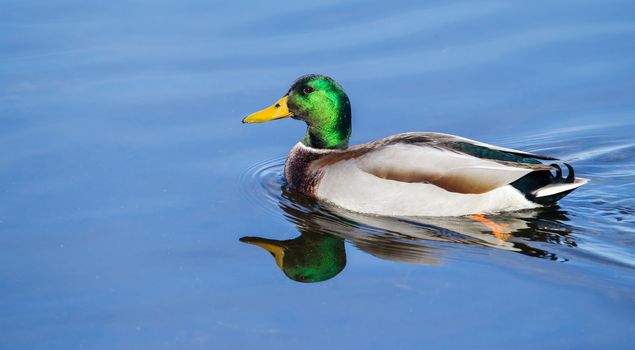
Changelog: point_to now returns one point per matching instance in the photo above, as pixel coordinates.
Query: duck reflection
(319, 254)
(311, 257)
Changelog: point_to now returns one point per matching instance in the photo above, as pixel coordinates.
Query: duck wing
(463, 145)
(453, 163)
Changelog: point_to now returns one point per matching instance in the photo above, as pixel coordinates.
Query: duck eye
(307, 90)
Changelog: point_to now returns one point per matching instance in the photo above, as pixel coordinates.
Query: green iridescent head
(311, 257)
(321, 103)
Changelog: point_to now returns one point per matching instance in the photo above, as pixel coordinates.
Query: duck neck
(332, 134)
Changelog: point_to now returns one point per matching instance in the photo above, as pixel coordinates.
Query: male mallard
(410, 174)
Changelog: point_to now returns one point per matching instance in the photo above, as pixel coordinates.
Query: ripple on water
(261, 183)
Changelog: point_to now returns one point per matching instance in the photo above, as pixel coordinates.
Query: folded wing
(446, 168)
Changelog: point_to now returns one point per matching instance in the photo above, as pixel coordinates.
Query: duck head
(321, 103)
(311, 257)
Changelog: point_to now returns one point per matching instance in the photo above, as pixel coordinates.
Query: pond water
(133, 200)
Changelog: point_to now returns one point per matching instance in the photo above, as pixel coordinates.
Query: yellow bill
(272, 246)
(278, 110)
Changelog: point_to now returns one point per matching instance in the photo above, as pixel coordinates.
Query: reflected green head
(311, 257)
(314, 258)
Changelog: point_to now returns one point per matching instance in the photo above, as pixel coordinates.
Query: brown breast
(298, 171)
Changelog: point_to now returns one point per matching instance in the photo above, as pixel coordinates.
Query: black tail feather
(558, 171)
(557, 178)
(535, 180)
(571, 175)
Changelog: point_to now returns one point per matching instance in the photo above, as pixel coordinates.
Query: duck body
(410, 174)
(424, 174)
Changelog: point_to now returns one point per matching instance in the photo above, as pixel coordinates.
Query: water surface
(127, 178)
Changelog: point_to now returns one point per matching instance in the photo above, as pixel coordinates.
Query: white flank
(346, 185)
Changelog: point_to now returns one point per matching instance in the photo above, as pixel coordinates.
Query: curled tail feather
(547, 188)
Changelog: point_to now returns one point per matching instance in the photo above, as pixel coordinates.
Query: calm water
(127, 179)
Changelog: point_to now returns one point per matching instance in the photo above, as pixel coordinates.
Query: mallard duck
(409, 174)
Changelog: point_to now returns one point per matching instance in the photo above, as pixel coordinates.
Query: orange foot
(500, 231)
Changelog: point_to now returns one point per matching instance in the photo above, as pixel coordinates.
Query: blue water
(127, 179)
